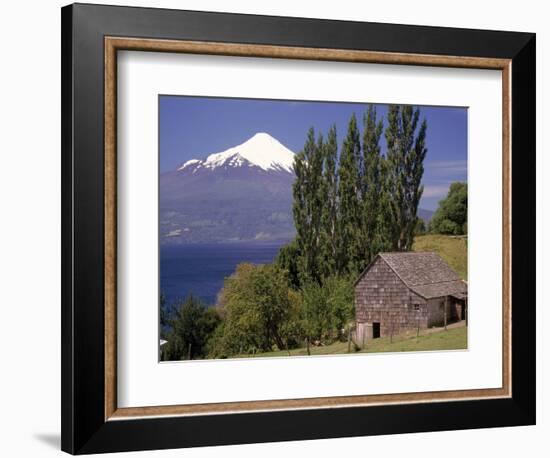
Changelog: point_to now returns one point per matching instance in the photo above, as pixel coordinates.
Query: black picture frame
(84, 429)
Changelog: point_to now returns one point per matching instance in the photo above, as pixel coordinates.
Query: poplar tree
(349, 182)
(315, 200)
(299, 210)
(329, 202)
(371, 186)
(406, 152)
(307, 205)
(386, 232)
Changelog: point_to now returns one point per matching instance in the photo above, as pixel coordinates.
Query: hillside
(455, 338)
(453, 249)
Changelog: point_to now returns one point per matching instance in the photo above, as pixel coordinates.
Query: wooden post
(391, 326)
(189, 351)
(307, 345)
(363, 339)
(445, 312)
(349, 339)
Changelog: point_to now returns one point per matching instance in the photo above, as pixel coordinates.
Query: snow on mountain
(261, 150)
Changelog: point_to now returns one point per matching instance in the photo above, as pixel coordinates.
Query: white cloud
(435, 191)
(174, 233)
(446, 168)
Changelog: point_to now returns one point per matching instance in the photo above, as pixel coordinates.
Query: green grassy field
(454, 250)
(429, 340)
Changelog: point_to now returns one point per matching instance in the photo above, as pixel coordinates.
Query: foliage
(288, 259)
(316, 313)
(420, 227)
(255, 305)
(163, 313)
(451, 217)
(191, 325)
(406, 144)
(371, 189)
(261, 313)
(327, 309)
(329, 203)
(293, 329)
(351, 206)
(349, 185)
(307, 191)
(386, 232)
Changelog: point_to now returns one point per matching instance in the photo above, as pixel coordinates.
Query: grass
(429, 340)
(454, 250)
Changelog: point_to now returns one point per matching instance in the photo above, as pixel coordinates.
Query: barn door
(375, 330)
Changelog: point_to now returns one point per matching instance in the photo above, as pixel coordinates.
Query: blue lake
(200, 269)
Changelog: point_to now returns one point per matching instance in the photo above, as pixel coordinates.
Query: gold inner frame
(114, 44)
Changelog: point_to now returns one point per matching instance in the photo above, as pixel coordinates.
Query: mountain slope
(424, 214)
(260, 151)
(241, 194)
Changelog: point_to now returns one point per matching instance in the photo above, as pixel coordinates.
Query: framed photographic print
(281, 228)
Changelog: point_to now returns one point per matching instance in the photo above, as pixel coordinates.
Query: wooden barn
(406, 290)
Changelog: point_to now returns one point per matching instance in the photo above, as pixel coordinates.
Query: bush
(448, 227)
(293, 329)
(255, 304)
(190, 325)
(420, 227)
(328, 308)
(451, 217)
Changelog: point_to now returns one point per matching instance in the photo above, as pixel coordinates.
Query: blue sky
(194, 127)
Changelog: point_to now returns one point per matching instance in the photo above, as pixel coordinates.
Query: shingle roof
(420, 268)
(426, 274)
(449, 288)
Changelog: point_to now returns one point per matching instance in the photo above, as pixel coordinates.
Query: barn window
(416, 307)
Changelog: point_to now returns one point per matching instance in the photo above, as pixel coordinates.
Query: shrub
(328, 308)
(255, 304)
(190, 326)
(451, 217)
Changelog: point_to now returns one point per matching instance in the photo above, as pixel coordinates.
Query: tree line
(451, 216)
(351, 205)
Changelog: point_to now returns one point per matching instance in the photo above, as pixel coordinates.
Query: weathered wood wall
(381, 296)
(436, 311)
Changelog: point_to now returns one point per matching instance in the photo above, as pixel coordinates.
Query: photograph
(278, 226)
(295, 228)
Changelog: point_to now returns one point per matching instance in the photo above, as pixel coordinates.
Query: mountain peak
(261, 135)
(261, 150)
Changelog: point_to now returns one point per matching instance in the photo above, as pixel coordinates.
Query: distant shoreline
(228, 242)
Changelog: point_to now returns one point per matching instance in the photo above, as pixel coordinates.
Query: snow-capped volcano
(261, 150)
(240, 194)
